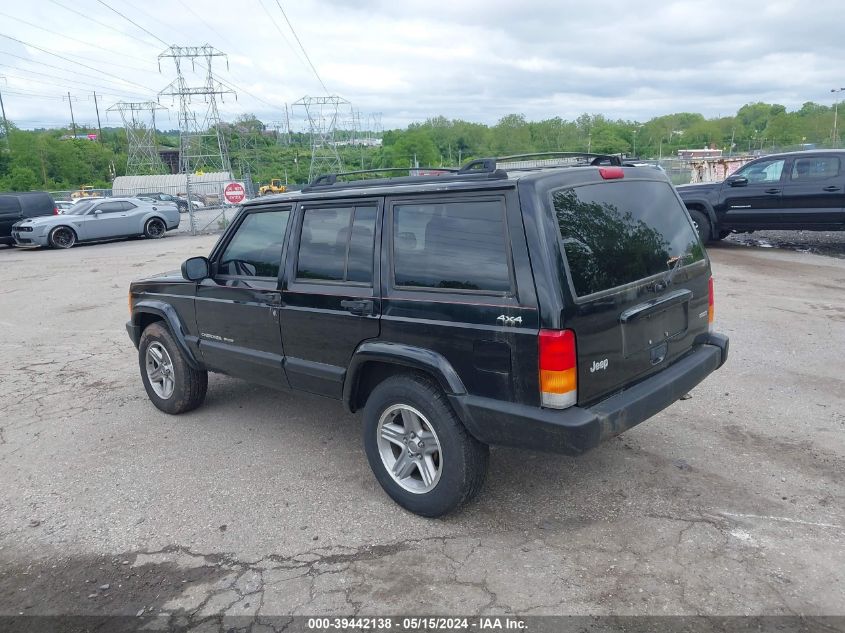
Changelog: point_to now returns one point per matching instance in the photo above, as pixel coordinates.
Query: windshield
(79, 208)
(620, 232)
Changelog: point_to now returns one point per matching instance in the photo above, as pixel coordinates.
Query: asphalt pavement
(261, 503)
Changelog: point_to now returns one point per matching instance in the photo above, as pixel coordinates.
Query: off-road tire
(150, 231)
(62, 237)
(191, 384)
(464, 459)
(702, 225)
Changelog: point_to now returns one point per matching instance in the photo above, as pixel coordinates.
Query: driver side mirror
(97, 211)
(737, 181)
(196, 268)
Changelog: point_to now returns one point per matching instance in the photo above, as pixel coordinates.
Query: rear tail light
(558, 369)
(55, 210)
(711, 304)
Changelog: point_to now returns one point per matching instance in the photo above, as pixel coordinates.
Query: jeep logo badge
(599, 365)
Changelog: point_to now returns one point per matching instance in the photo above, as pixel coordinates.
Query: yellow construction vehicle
(275, 186)
(85, 191)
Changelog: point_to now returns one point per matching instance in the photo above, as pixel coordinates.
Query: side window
(336, 244)
(256, 248)
(110, 207)
(815, 168)
(763, 171)
(453, 245)
(128, 206)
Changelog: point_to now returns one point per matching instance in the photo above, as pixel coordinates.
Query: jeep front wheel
(419, 450)
(170, 382)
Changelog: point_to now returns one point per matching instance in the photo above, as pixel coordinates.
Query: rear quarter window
(458, 245)
(619, 232)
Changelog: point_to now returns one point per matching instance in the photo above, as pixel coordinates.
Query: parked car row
(33, 219)
(791, 191)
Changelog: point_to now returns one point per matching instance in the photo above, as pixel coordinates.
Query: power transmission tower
(322, 113)
(139, 121)
(201, 142)
(5, 130)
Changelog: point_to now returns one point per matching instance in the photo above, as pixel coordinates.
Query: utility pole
(99, 129)
(5, 120)
(835, 113)
(72, 121)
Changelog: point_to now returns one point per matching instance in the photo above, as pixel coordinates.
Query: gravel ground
(831, 243)
(261, 503)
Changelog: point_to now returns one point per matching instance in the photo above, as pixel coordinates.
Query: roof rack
(331, 180)
(478, 169)
(587, 157)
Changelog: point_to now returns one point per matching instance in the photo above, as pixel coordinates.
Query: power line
(32, 95)
(284, 37)
(211, 28)
(62, 81)
(237, 88)
(95, 21)
(64, 35)
(30, 61)
(150, 33)
(229, 84)
(44, 50)
(298, 41)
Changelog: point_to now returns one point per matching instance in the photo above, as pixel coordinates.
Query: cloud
(411, 60)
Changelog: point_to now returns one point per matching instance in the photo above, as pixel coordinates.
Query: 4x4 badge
(509, 320)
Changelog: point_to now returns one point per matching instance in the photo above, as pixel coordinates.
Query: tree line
(47, 159)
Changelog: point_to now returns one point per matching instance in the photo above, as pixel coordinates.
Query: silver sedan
(101, 219)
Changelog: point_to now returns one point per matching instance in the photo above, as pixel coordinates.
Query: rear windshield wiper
(676, 263)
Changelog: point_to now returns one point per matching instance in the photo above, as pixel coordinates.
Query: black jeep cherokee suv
(540, 308)
(796, 190)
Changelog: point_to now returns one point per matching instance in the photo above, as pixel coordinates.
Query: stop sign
(234, 193)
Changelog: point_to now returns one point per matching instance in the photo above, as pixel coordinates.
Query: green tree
(21, 179)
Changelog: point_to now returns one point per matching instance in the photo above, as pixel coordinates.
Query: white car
(98, 219)
(63, 205)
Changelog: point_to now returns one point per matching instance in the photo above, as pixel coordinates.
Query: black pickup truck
(792, 191)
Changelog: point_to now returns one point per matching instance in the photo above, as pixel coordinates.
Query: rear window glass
(815, 168)
(617, 233)
(452, 245)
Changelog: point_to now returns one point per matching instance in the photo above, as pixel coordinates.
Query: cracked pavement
(261, 504)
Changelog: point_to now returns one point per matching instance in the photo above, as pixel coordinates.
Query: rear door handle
(831, 188)
(772, 190)
(359, 307)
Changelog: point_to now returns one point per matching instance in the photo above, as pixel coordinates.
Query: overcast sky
(412, 59)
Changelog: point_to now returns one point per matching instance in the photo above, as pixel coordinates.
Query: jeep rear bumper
(575, 430)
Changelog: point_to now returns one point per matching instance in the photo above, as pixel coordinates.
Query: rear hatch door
(636, 276)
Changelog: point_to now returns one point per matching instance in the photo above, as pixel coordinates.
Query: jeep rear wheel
(419, 450)
(702, 225)
(171, 383)
(62, 237)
